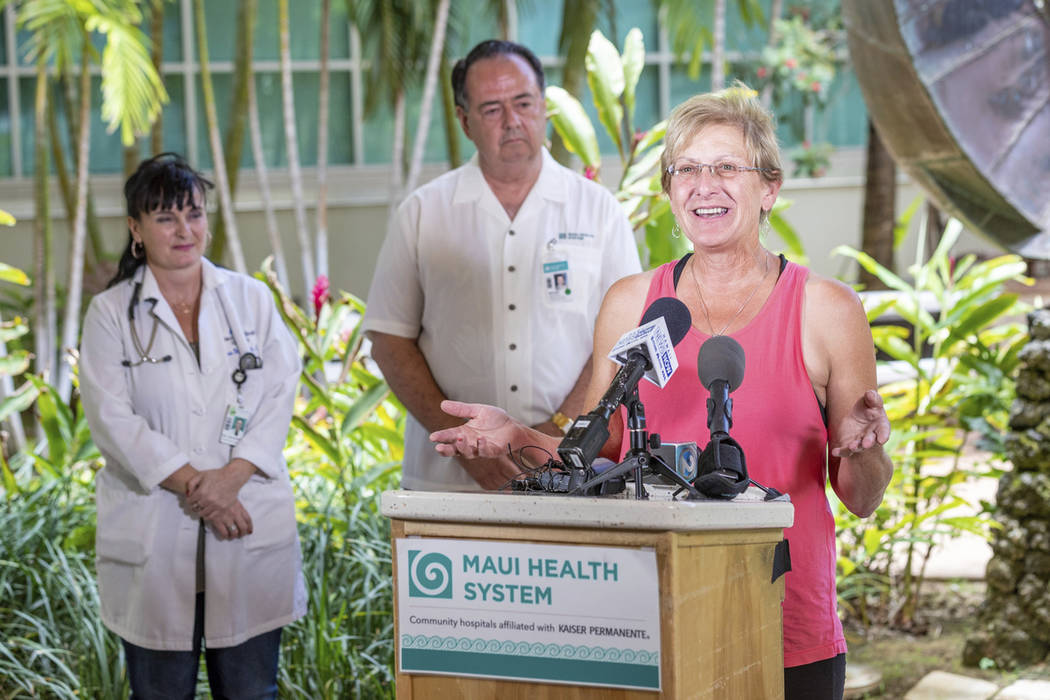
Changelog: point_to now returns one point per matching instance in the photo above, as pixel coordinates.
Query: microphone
(722, 468)
(720, 365)
(646, 351)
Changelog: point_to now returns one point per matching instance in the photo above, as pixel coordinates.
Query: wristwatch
(562, 421)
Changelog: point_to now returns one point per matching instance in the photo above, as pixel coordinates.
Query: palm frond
(132, 91)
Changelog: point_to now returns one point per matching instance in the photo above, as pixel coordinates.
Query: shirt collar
(210, 278)
(550, 185)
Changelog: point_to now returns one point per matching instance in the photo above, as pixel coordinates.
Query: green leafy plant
(811, 159)
(52, 640)
(612, 78)
(14, 360)
(344, 449)
(802, 61)
(796, 73)
(958, 348)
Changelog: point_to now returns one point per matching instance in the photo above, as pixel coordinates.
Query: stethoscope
(248, 360)
(144, 355)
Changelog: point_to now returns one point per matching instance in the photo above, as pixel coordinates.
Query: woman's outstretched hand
(864, 427)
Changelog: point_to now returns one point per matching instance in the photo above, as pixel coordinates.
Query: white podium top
(748, 511)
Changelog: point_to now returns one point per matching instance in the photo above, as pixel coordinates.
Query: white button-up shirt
(503, 310)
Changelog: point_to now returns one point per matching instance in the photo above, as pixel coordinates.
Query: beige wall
(825, 211)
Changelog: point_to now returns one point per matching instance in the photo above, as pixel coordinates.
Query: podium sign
(533, 612)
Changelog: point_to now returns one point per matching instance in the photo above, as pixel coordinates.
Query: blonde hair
(734, 106)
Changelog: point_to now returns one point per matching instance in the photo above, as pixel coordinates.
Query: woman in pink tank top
(807, 411)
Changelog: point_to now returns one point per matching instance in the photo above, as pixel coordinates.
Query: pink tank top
(779, 423)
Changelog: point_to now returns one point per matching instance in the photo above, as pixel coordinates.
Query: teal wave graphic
(534, 649)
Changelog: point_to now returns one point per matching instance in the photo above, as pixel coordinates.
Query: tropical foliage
(612, 78)
(955, 347)
(796, 74)
(343, 449)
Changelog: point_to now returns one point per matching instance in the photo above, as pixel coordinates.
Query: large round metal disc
(960, 93)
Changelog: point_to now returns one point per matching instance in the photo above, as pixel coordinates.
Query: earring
(137, 249)
(675, 231)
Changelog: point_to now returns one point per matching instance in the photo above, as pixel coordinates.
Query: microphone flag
(656, 341)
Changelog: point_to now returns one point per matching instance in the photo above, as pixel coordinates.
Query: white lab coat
(151, 419)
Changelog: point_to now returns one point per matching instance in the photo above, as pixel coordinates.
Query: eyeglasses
(688, 172)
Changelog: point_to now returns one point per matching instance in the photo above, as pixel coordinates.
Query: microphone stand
(639, 459)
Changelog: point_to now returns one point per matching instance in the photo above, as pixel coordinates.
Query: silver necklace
(703, 304)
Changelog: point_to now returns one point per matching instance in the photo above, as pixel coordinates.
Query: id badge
(556, 274)
(233, 425)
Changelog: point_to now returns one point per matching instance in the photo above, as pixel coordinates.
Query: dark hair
(165, 181)
(488, 49)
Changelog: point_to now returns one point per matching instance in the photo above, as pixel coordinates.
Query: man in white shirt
(491, 276)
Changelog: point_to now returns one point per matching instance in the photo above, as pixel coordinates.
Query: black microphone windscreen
(676, 316)
(720, 357)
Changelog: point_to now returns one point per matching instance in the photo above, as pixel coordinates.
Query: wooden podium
(720, 611)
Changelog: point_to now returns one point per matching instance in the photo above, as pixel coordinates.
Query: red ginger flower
(319, 294)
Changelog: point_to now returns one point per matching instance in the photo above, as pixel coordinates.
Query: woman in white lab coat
(188, 376)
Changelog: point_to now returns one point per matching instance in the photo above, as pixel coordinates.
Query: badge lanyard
(235, 421)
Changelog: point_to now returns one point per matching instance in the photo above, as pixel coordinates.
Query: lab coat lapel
(212, 326)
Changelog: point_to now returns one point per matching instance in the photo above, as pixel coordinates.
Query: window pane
(539, 25)
(5, 133)
(22, 38)
(741, 36)
(27, 95)
(304, 27)
(173, 117)
(271, 123)
(172, 31)
(379, 132)
(220, 20)
(221, 86)
(791, 121)
(647, 100)
(3, 39)
(305, 87)
(106, 151)
(844, 121)
(630, 14)
(684, 87)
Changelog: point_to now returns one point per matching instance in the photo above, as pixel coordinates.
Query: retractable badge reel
(236, 420)
(556, 273)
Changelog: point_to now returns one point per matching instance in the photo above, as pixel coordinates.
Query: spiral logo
(429, 575)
